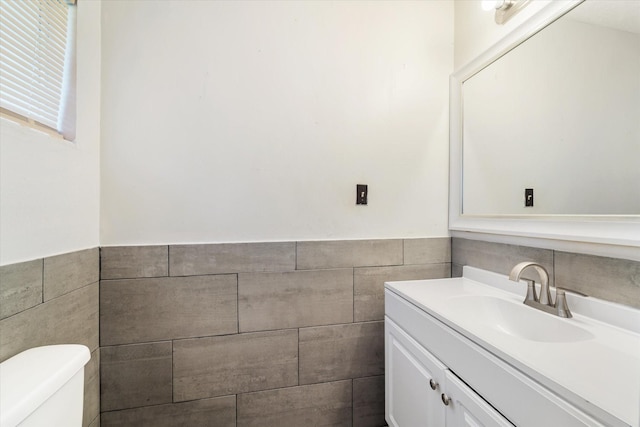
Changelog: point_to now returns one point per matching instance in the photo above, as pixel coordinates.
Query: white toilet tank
(43, 386)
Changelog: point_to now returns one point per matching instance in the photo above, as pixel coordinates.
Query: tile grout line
(173, 381)
(42, 280)
(553, 265)
(298, 356)
(353, 294)
(238, 303)
(168, 261)
(99, 336)
(353, 397)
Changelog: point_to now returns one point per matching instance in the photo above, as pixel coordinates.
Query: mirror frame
(612, 235)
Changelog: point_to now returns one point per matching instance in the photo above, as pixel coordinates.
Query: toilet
(43, 386)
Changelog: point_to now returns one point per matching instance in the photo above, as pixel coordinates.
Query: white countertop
(603, 370)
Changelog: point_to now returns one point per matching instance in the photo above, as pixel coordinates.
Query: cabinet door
(466, 408)
(410, 373)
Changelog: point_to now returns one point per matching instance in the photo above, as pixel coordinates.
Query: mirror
(554, 107)
(559, 114)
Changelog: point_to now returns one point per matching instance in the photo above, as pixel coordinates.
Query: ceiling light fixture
(504, 9)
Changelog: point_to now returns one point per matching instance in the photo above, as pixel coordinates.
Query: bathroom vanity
(466, 352)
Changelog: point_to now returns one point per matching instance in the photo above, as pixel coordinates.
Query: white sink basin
(592, 359)
(518, 320)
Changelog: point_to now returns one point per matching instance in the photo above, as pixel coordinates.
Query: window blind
(35, 63)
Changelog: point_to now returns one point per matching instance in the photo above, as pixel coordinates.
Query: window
(37, 62)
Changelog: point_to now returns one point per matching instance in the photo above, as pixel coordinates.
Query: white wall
(49, 188)
(476, 30)
(254, 121)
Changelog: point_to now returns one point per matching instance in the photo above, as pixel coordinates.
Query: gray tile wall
(267, 334)
(165, 308)
(248, 334)
(325, 404)
(611, 279)
(54, 301)
(136, 375)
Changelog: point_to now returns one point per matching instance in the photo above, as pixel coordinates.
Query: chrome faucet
(543, 302)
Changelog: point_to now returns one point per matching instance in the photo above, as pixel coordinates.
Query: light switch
(361, 194)
(528, 197)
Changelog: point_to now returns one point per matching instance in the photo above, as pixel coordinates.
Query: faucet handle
(562, 309)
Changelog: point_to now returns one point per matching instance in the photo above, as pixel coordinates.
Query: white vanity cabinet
(421, 391)
(491, 378)
(412, 381)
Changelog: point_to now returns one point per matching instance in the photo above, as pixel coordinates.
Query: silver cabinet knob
(445, 399)
(433, 384)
